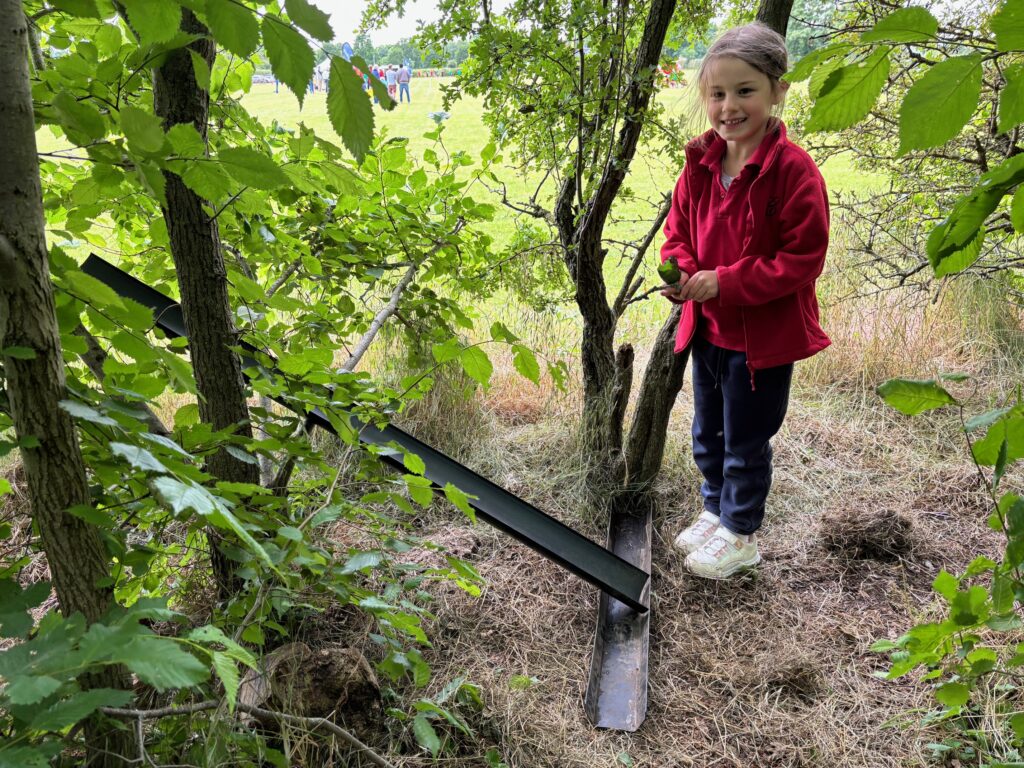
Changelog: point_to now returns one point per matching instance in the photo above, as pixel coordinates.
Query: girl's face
(738, 99)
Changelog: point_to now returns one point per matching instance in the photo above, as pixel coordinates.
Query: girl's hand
(701, 287)
(674, 292)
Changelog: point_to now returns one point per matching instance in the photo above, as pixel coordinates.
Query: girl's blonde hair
(756, 44)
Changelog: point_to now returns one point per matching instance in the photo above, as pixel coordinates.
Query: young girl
(748, 229)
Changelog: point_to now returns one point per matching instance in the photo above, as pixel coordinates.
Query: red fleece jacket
(782, 232)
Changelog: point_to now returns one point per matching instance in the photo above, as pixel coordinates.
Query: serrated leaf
(211, 634)
(82, 122)
(143, 130)
(850, 93)
(1017, 210)
(1011, 99)
(155, 21)
(911, 396)
(477, 365)
(906, 25)
(1008, 25)
(233, 26)
(160, 662)
(414, 463)
(349, 110)
(201, 70)
(86, 413)
(186, 141)
(226, 670)
(362, 560)
(425, 734)
(310, 18)
(810, 62)
(78, 8)
(449, 350)
(138, 457)
(380, 90)
(526, 363)
(78, 707)
(940, 103)
(252, 168)
(946, 585)
(952, 694)
(291, 58)
(970, 211)
(90, 290)
(960, 260)
(460, 500)
(29, 689)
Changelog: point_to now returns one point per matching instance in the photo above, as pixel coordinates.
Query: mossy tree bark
(54, 468)
(202, 277)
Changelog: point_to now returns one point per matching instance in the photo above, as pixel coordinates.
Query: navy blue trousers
(733, 424)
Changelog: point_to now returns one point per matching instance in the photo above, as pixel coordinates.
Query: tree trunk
(663, 378)
(202, 276)
(775, 14)
(606, 379)
(54, 467)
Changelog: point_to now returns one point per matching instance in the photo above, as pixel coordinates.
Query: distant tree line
(452, 55)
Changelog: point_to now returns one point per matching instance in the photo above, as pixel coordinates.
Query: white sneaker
(723, 555)
(697, 535)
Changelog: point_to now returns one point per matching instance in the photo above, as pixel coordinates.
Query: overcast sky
(346, 14)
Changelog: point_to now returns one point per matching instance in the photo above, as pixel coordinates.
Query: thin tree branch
(628, 287)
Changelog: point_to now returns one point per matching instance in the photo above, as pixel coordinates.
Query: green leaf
(18, 353)
(946, 585)
(362, 560)
(348, 108)
(380, 90)
(912, 396)
(939, 104)
(1017, 210)
(86, 413)
(201, 70)
(521, 682)
(460, 500)
(143, 130)
(958, 261)
(291, 58)
(210, 634)
(953, 694)
(139, 458)
(82, 122)
(160, 662)
(500, 332)
(449, 350)
(310, 18)
(1010, 431)
(90, 290)
(1008, 25)
(1011, 99)
(78, 8)
(906, 25)
(29, 689)
(78, 707)
(526, 363)
(421, 490)
(233, 26)
(809, 63)
(849, 93)
(414, 463)
(289, 532)
(477, 365)
(971, 210)
(186, 141)
(252, 168)
(155, 21)
(227, 671)
(425, 734)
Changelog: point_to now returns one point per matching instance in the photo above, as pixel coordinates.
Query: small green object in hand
(669, 272)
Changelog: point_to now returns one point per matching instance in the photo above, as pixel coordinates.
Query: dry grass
(771, 670)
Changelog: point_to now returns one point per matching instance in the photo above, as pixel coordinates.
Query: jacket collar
(707, 149)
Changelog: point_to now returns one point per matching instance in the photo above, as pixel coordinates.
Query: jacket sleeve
(759, 278)
(679, 244)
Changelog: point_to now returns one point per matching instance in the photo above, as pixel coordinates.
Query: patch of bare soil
(769, 670)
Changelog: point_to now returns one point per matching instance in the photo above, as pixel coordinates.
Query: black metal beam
(493, 504)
